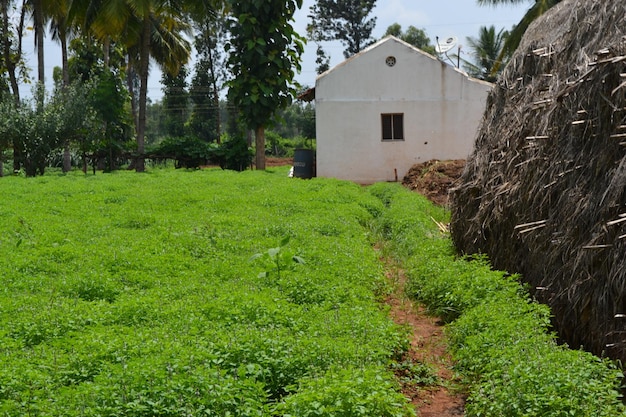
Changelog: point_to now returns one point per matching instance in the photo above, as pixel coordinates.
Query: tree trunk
(144, 58)
(39, 36)
(67, 157)
(9, 59)
(216, 95)
(259, 138)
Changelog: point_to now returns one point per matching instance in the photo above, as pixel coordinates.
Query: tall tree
(515, 36)
(148, 29)
(414, 36)
(175, 102)
(209, 75)
(57, 12)
(486, 50)
(265, 53)
(323, 59)
(11, 36)
(39, 26)
(345, 21)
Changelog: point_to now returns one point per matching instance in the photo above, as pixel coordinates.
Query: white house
(392, 106)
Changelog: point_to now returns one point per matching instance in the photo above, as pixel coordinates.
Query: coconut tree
(515, 35)
(57, 11)
(148, 29)
(486, 51)
(39, 23)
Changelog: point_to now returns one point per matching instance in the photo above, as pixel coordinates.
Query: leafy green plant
(233, 154)
(133, 295)
(187, 151)
(415, 373)
(346, 393)
(278, 258)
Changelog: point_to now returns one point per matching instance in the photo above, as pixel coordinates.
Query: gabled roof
(382, 42)
(309, 94)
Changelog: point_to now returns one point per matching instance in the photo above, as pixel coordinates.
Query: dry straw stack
(544, 192)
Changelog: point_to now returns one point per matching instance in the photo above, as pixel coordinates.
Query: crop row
(500, 338)
(141, 295)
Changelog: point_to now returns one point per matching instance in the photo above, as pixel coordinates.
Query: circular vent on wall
(390, 61)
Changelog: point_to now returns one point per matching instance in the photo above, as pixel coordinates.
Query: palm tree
(39, 25)
(486, 51)
(515, 36)
(57, 11)
(148, 29)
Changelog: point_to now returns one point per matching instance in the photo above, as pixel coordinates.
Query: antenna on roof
(445, 46)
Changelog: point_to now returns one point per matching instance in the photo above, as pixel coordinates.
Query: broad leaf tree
(346, 21)
(264, 56)
(414, 36)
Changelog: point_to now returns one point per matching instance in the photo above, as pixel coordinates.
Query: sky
(438, 18)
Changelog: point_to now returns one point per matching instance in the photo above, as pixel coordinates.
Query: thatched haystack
(544, 192)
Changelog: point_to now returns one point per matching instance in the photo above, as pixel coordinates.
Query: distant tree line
(241, 81)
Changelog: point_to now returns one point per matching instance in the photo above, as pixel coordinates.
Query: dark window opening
(393, 126)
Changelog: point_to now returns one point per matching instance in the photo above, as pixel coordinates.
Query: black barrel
(304, 163)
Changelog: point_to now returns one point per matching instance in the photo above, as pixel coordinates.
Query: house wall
(442, 109)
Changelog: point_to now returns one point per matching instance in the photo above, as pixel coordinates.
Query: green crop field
(188, 293)
(216, 293)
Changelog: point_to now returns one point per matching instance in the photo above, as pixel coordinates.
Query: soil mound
(434, 178)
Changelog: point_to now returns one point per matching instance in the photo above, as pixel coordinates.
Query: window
(393, 126)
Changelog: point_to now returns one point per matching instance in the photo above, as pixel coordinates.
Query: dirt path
(428, 346)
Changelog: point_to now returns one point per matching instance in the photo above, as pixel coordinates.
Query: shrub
(233, 154)
(188, 152)
(346, 393)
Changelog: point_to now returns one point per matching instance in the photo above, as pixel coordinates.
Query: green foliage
(233, 153)
(278, 258)
(346, 393)
(414, 36)
(40, 127)
(187, 151)
(279, 146)
(344, 21)
(501, 339)
(486, 50)
(264, 56)
(175, 102)
(134, 296)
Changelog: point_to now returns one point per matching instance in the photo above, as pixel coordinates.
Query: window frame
(392, 127)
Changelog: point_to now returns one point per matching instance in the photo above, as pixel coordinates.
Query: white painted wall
(442, 109)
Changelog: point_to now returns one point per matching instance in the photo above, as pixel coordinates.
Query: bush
(346, 393)
(233, 154)
(188, 152)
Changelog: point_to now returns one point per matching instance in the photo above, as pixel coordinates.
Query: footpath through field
(428, 347)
